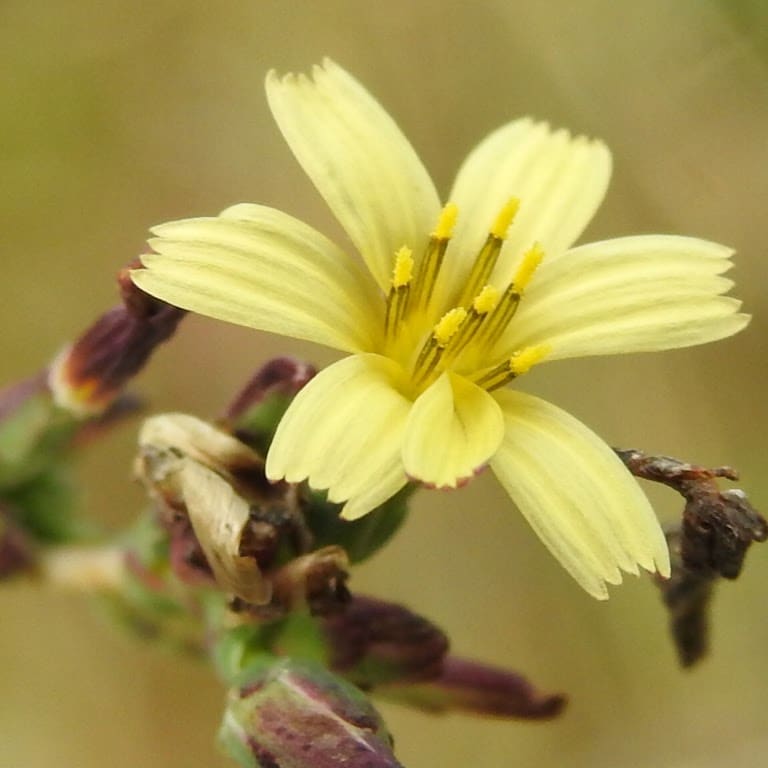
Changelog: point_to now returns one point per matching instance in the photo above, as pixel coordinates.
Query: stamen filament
(495, 377)
(483, 303)
(505, 310)
(397, 299)
(521, 362)
(489, 253)
(429, 269)
(430, 353)
(500, 317)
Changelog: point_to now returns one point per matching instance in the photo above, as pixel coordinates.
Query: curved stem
(82, 568)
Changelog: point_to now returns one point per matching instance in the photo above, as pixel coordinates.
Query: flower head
(444, 307)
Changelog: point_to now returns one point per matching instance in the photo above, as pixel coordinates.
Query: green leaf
(360, 538)
(44, 507)
(32, 437)
(260, 421)
(252, 645)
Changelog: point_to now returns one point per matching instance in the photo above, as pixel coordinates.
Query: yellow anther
(505, 217)
(432, 261)
(489, 253)
(403, 271)
(399, 292)
(446, 222)
(448, 324)
(521, 362)
(482, 304)
(432, 355)
(531, 260)
(486, 300)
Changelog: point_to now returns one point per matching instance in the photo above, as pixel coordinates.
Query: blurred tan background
(117, 115)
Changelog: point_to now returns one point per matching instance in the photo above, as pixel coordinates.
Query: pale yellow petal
(560, 182)
(375, 492)
(261, 268)
(576, 494)
(343, 433)
(359, 161)
(453, 429)
(632, 294)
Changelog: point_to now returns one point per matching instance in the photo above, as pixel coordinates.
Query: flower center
(465, 335)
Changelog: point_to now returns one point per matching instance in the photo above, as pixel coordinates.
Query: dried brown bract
(228, 524)
(710, 543)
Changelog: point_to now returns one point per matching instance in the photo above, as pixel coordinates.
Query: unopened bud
(373, 642)
(282, 375)
(479, 689)
(257, 409)
(298, 715)
(86, 377)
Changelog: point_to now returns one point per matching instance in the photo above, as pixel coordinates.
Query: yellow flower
(445, 306)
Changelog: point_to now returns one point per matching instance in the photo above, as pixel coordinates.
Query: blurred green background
(118, 114)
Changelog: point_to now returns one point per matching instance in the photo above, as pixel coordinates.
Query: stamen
(521, 362)
(505, 218)
(528, 265)
(505, 310)
(500, 317)
(482, 304)
(430, 265)
(397, 299)
(489, 253)
(449, 323)
(403, 271)
(486, 300)
(434, 348)
(446, 222)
